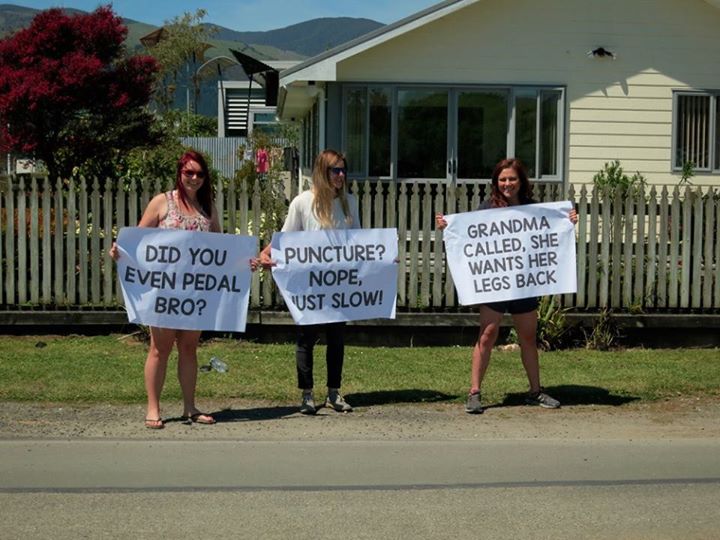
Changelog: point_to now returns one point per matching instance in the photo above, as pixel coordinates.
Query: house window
(696, 131)
(422, 133)
(379, 131)
(451, 133)
(482, 131)
(310, 137)
(265, 122)
(355, 128)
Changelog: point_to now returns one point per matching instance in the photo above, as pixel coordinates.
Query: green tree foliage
(179, 47)
(160, 161)
(70, 96)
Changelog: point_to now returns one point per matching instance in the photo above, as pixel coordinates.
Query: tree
(179, 46)
(68, 94)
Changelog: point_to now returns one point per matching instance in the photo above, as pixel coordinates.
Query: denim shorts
(515, 307)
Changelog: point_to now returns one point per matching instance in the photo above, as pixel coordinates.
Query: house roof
(297, 84)
(322, 66)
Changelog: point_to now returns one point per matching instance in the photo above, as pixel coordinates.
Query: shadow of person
(254, 414)
(571, 394)
(386, 397)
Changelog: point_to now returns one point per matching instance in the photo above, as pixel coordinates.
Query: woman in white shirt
(327, 205)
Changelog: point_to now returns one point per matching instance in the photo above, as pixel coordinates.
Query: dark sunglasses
(338, 170)
(193, 174)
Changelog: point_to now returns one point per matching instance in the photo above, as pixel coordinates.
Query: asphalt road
(489, 488)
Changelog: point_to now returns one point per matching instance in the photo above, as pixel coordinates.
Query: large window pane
(315, 131)
(355, 109)
(482, 132)
(549, 104)
(717, 132)
(692, 133)
(379, 140)
(525, 130)
(422, 133)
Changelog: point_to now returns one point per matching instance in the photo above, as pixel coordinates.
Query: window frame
(452, 143)
(713, 134)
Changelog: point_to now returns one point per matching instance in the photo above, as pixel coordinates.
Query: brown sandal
(199, 418)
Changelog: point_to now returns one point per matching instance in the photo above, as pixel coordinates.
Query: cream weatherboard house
(566, 85)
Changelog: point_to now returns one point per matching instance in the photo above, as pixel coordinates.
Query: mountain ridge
(293, 42)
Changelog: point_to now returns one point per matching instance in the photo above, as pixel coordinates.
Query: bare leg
(187, 344)
(526, 327)
(489, 329)
(161, 343)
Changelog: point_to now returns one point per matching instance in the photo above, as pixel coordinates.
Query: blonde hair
(324, 193)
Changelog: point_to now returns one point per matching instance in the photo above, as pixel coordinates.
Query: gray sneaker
(542, 399)
(308, 404)
(472, 405)
(336, 401)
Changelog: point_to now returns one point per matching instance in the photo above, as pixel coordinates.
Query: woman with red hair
(188, 207)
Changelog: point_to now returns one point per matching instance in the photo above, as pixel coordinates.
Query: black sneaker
(542, 399)
(472, 405)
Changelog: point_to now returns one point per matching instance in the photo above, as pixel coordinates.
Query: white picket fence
(654, 251)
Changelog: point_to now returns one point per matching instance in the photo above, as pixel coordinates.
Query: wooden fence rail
(651, 251)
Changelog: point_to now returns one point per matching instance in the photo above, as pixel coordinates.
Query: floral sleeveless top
(174, 219)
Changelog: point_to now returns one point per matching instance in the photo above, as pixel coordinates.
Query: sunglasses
(338, 170)
(193, 174)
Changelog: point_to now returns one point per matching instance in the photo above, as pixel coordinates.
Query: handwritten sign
(337, 275)
(185, 280)
(510, 253)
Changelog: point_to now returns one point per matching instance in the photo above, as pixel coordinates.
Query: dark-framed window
(696, 130)
(403, 131)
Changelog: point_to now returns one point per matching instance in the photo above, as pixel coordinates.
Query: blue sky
(248, 14)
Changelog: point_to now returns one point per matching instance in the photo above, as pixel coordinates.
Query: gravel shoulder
(679, 418)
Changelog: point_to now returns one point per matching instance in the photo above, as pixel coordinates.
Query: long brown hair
(205, 193)
(497, 200)
(323, 191)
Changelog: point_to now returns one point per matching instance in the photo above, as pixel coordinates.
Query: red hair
(204, 194)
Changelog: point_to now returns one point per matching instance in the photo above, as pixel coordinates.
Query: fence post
(47, 234)
(651, 266)
(33, 243)
(710, 231)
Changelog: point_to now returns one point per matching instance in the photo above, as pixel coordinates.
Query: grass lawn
(109, 369)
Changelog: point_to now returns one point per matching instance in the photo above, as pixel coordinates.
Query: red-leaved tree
(70, 96)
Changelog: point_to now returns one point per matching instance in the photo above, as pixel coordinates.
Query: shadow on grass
(386, 397)
(571, 394)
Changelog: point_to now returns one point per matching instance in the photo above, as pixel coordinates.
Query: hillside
(291, 43)
(307, 38)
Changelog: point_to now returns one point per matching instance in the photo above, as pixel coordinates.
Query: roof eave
(323, 67)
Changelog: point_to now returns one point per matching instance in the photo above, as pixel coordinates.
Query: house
(243, 105)
(566, 85)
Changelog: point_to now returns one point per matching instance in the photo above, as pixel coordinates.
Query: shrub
(604, 333)
(614, 180)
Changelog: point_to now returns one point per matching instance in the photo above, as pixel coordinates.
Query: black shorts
(515, 307)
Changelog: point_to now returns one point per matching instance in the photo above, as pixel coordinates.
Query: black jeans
(306, 338)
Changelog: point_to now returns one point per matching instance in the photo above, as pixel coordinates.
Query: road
(326, 478)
